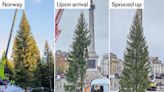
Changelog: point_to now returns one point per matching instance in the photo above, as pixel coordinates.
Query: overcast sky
(69, 20)
(40, 14)
(153, 24)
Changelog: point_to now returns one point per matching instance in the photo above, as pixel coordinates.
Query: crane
(57, 21)
(11, 31)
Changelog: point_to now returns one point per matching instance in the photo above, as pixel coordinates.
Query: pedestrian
(26, 90)
(5, 83)
(58, 80)
(5, 88)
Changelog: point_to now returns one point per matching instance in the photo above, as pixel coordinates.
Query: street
(59, 85)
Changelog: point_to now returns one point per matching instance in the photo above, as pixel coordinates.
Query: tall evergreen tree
(77, 57)
(25, 54)
(45, 70)
(135, 73)
(48, 57)
(48, 61)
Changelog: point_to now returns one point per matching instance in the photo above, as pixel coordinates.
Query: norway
(14, 5)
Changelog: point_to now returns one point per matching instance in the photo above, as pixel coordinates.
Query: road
(115, 85)
(59, 85)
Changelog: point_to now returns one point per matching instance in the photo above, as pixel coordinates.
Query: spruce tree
(75, 74)
(25, 54)
(135, 73)
(48, 57)
(48, 62)
(45, 70)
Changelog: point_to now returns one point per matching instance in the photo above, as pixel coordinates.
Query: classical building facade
(156, 65)
(113, 64)
(105, 68)
(116, 65)
(61, 61)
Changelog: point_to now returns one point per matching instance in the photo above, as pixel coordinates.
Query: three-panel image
(95, 49)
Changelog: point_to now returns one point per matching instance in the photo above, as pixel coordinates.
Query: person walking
(5, 88)
(26, 90)
(5, 83)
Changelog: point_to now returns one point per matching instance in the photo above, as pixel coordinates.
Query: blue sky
(153, 24)
(69, 20)
(40, 14)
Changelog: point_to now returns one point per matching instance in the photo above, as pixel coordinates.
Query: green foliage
(25, 54)
(70, 87)
(77, 57)
(2, 75)
(60, 70)
(45, 70)
(10, 65)
(135, 73)
(3, 59)
(48, 57)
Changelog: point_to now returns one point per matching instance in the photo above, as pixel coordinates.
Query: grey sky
(69, 20)
(153, 24)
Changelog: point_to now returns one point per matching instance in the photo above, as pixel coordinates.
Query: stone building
(116, 65)
(105, 65)
(156, 65)
(113, 64)
(61, 61)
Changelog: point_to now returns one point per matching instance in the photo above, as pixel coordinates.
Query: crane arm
(11, 30)
(58, 16)
(57, 20)
(8, 44)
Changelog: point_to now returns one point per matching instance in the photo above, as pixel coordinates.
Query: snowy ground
(11, 88)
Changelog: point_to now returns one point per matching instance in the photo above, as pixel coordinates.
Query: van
(100, 85)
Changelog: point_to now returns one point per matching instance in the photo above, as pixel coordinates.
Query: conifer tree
(48, 57)
(135, 73)
(25, 54)
(75, 74)
(48, 62)
(45, 70)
